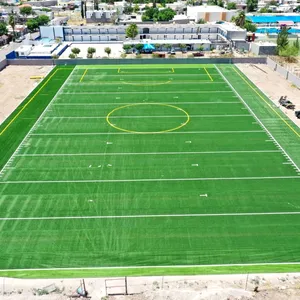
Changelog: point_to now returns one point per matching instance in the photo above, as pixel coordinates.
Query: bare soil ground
(213, 287)
(274, 86)
(15, 85)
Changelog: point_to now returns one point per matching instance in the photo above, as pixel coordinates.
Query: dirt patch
(213, 287)
(15, 85)
(274, 86)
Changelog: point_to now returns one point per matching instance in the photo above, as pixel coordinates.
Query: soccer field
(151, 166)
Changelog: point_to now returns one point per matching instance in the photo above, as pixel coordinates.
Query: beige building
(210, 13)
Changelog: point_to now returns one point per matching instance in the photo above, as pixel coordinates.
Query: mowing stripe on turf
(148, 92)
(259, 121)
(148, 180)
(149, 153)
(153, 216)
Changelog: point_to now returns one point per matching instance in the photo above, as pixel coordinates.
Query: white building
(210, 13)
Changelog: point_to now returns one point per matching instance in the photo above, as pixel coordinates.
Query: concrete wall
(238, 60)
(283, 72)
(3, 64)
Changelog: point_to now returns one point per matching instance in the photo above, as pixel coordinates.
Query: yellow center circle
(147, 132)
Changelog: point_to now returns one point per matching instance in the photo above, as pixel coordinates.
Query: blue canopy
(148, 47)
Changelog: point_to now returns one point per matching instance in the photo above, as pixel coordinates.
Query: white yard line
(148, 92)
(151, 103)
(171, 132)
(148, 180)
(142, 117)
(153, 267)
(149, 153)
(33, 127)
(153, 216)
(259, 121)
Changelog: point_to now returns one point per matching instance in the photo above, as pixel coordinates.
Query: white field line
(33, 127)
(149, 153)
(145, 83)
(147, 180)
(153, 216)
(152, 267)
(127, 103)
(118, 75)
(171, 132)
(148, 92)
(259, 121)
(143, 117)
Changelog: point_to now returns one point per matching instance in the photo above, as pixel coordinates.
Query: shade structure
(148, 47)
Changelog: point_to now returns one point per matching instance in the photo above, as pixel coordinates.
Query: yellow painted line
(119, 70)
(147, 132)
(260, 96)
(173, 70)
(208, 74)
(83, 75)
(14, 118)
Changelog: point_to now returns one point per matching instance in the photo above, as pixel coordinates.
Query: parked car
(297, 114)
(198, 54)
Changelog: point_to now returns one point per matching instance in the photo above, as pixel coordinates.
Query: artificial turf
(129, 147)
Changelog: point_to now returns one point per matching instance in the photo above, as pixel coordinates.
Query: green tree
(221, 3)
(182, 47)
(240, 19)
(139, 47)
(12, 23)
(3, 28)
(72, 55)
(126, 48)
(282, 39)
(252, 5)
(200, 48)
(166, 14)
(32, 25)
(136, 8)
(265, 10)
(43, 20)
(168, 46)
(249, 26)
(91, 50)
(75, 51)
(290, 53)
(201, 21)
(128, 10)
(296, 43)
(157, 46)
(132, 31)
(26, 10)
(107, 50)
(231, 5)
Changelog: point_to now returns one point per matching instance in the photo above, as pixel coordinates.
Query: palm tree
(240, 19)
(12, 23)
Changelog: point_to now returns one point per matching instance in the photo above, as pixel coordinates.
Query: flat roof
(207, 8)
(172, 42)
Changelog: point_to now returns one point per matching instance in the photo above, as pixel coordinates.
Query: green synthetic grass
(129, 147)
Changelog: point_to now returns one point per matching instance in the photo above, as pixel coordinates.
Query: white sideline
(34, 125)
(143, 117)
(151, 267)
(171, 132)
(150, 153)
(258, 120)
(152, 216)
(148, 180)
